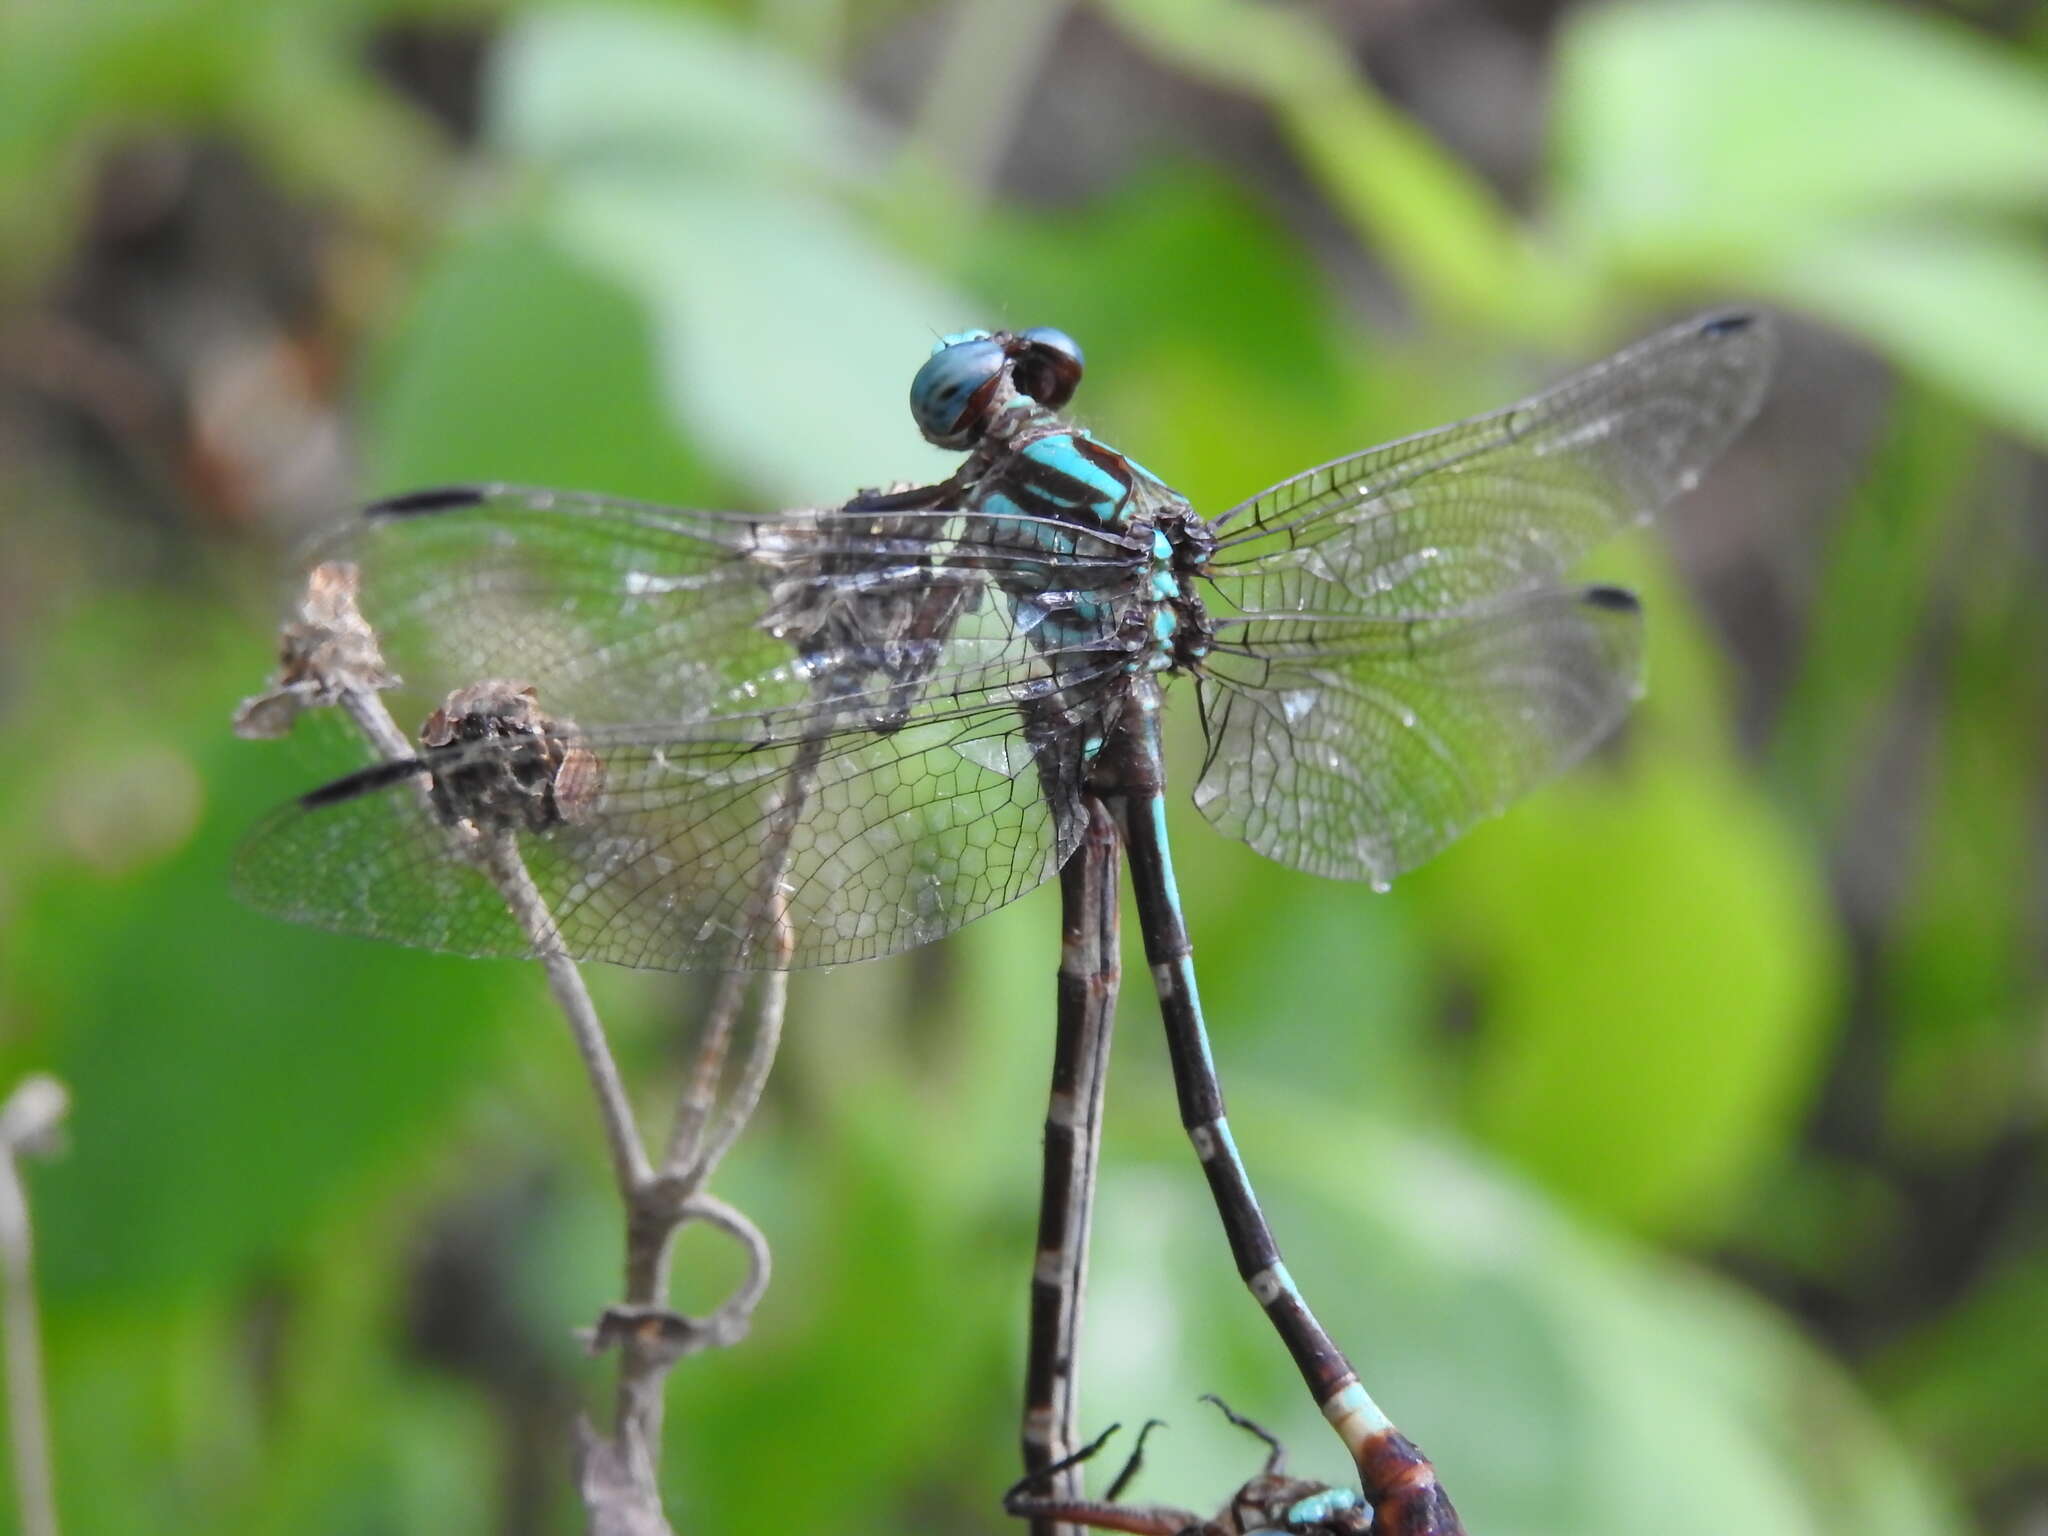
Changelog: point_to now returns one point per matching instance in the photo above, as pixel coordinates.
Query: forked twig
(331, 658)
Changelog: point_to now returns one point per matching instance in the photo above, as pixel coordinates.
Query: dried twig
(331, 657)
(29, 1123)
(507, 871)
(650, 1338)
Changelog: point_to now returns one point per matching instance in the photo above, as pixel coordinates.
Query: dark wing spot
(1727, 325)
(444, 498)
(364, 781)
(1613, 599)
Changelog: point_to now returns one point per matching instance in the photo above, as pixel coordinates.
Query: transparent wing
(1505, 502)
(1394, 658)
(867, 714)
(888, 841)
(619, 611)
(1358, 748)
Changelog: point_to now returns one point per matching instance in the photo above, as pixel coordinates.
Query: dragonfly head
(958, 391)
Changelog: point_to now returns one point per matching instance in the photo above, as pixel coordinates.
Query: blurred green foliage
(1714, 1205)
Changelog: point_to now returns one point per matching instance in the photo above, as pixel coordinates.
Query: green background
(1668, 1153)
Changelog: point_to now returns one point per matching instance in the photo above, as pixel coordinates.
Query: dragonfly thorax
(999, 394)
(1042, 476)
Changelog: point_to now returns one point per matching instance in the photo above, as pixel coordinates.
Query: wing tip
(1749, 338)
(439, 498)
(1730, 322)
(1612, 599)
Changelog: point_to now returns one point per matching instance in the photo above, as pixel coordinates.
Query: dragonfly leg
(905, 498)
(1276, 1453)
(1090, 971)
(1399, 1480)
(1104, 1514)
(1134, 1464)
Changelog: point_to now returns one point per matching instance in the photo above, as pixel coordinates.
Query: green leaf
(576, 89)
(1658, 978)
(1434, 220)
(516, 362)
(1685, 132)
(1559, 1383)
(232, 1076)
(785, 336)
(1966, 309)
(680, 163)
(1967, 1383)
(1883, 554)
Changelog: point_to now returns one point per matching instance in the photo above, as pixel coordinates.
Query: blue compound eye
(949, 397)
(1047, 366)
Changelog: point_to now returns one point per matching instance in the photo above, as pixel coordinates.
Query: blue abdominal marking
(1321, 1506)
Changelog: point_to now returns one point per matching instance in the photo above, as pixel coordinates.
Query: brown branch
(507, 871)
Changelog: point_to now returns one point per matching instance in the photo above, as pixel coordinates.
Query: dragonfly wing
(619, 611)
(869, 713)
(1505, 502)
(366, 855)
(677, 848)
(1359, 747)
(1394, 658)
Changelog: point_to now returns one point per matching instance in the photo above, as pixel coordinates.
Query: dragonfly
(862, 726)
(1271, 1503)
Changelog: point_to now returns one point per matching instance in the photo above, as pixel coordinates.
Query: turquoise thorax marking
(1055, 475)
(1106, 497)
